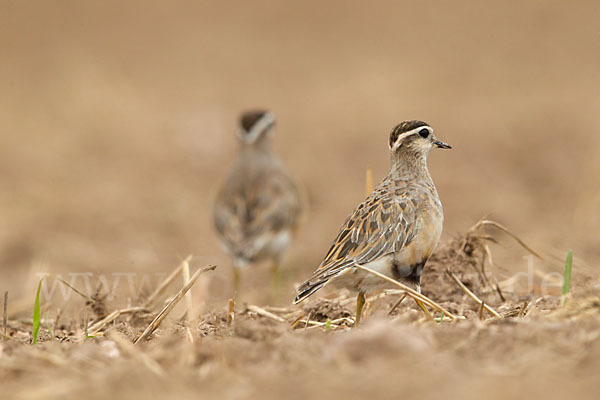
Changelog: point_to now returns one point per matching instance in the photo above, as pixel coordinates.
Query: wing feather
(253, 207)
(384, 223)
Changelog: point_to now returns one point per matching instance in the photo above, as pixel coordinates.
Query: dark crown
(248, 119)
(404, 127)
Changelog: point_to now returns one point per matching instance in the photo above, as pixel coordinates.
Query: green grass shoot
(441, 318)
(328, 325)
(37, 314)
(566, 288)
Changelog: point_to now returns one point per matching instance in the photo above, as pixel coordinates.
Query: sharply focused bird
(395, 230)
(259, 207)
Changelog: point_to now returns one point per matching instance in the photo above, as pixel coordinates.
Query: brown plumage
(258, 208)
(395, 230)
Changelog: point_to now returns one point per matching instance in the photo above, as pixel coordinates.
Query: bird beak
(441, 145)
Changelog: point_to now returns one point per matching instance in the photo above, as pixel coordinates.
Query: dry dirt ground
(117, 122)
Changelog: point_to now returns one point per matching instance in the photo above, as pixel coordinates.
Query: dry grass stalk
(396, 304)
(484, 222)
(410, 292)
(323, 325)
(231, 312)
(532, 309)
(88, 298)
(188, 297)
(471, 294)
(99, 325)
(160, 289)
(473, 250)
(523, 309)
(5, 314)
(351, 300)
(169, 307)
(292, 315)
(316, 325)
(488, 254)
(57, 318)
(297, 320)
(85, 326)
(425, 310)
(188, 333)
(310, 315)
(278, 309)
(333, 324)
(264, 313)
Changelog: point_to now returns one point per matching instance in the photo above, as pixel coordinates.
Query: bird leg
(360, 302)
(421, 305)
(425, 310)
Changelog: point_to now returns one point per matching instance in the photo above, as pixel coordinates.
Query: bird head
(414, 138)
(255, 125)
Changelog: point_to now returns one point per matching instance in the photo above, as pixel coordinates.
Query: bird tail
(307, 289)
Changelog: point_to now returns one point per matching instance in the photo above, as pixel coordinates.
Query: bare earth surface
(117, 123)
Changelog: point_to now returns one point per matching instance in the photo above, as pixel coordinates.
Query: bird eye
(424, 133)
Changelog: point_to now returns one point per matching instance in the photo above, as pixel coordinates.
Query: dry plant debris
(225, 343)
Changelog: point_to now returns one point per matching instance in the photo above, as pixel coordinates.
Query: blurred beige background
(117, 120)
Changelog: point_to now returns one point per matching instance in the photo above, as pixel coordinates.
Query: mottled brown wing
(253, 208)
(382, 224)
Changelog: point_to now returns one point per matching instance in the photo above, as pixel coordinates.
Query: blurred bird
(258, 209)
(395, 230)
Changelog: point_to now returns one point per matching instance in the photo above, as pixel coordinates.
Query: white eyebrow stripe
(267, 119)
(411, 132)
